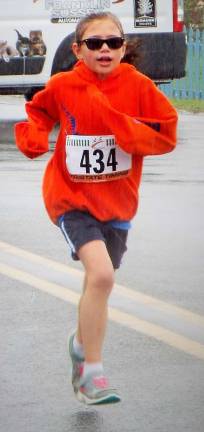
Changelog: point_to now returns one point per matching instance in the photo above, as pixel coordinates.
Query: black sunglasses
(96, 43)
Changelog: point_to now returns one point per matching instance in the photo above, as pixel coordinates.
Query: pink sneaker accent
(81, 369)
(100, 382)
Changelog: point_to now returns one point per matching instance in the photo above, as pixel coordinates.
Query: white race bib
(96, 158)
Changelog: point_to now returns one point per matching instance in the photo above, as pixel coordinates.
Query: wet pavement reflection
(86, 421)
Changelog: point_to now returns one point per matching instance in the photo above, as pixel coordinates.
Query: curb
(7, 132)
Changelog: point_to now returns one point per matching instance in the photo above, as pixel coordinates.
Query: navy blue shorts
(80, 228)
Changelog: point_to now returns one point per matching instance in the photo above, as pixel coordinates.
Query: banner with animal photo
(145, 13)
(25, 57)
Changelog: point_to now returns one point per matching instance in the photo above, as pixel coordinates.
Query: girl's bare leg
(99, 280)
(78, 332)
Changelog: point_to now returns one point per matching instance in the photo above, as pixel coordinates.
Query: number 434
(98, 166)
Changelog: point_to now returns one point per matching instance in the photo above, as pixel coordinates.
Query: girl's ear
(77, 50)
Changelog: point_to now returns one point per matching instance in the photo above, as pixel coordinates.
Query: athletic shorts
(80, 228)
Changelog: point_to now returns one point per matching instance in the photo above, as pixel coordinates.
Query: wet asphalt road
(154, 350)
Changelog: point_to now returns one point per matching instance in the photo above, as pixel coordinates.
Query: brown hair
(84, 22)
(133, 53)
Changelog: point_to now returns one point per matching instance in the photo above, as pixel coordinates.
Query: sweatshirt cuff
(30, 140)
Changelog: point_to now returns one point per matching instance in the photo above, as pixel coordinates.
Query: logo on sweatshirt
(71, 120)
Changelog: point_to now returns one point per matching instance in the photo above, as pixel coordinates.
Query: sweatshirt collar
(88, 75)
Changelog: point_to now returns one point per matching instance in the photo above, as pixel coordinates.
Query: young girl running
(110, 116)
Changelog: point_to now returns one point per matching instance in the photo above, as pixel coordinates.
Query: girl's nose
(104, 46)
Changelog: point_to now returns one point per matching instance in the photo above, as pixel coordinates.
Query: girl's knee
(102, 279)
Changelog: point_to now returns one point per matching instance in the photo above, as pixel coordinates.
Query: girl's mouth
(104, 59)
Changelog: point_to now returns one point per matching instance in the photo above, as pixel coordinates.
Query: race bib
(96, 158)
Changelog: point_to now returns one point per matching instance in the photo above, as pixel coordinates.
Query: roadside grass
(191, 105)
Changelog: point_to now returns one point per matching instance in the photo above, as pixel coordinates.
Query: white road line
(170, 338)
(120, 289)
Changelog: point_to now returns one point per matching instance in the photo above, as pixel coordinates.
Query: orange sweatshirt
(106, 128)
